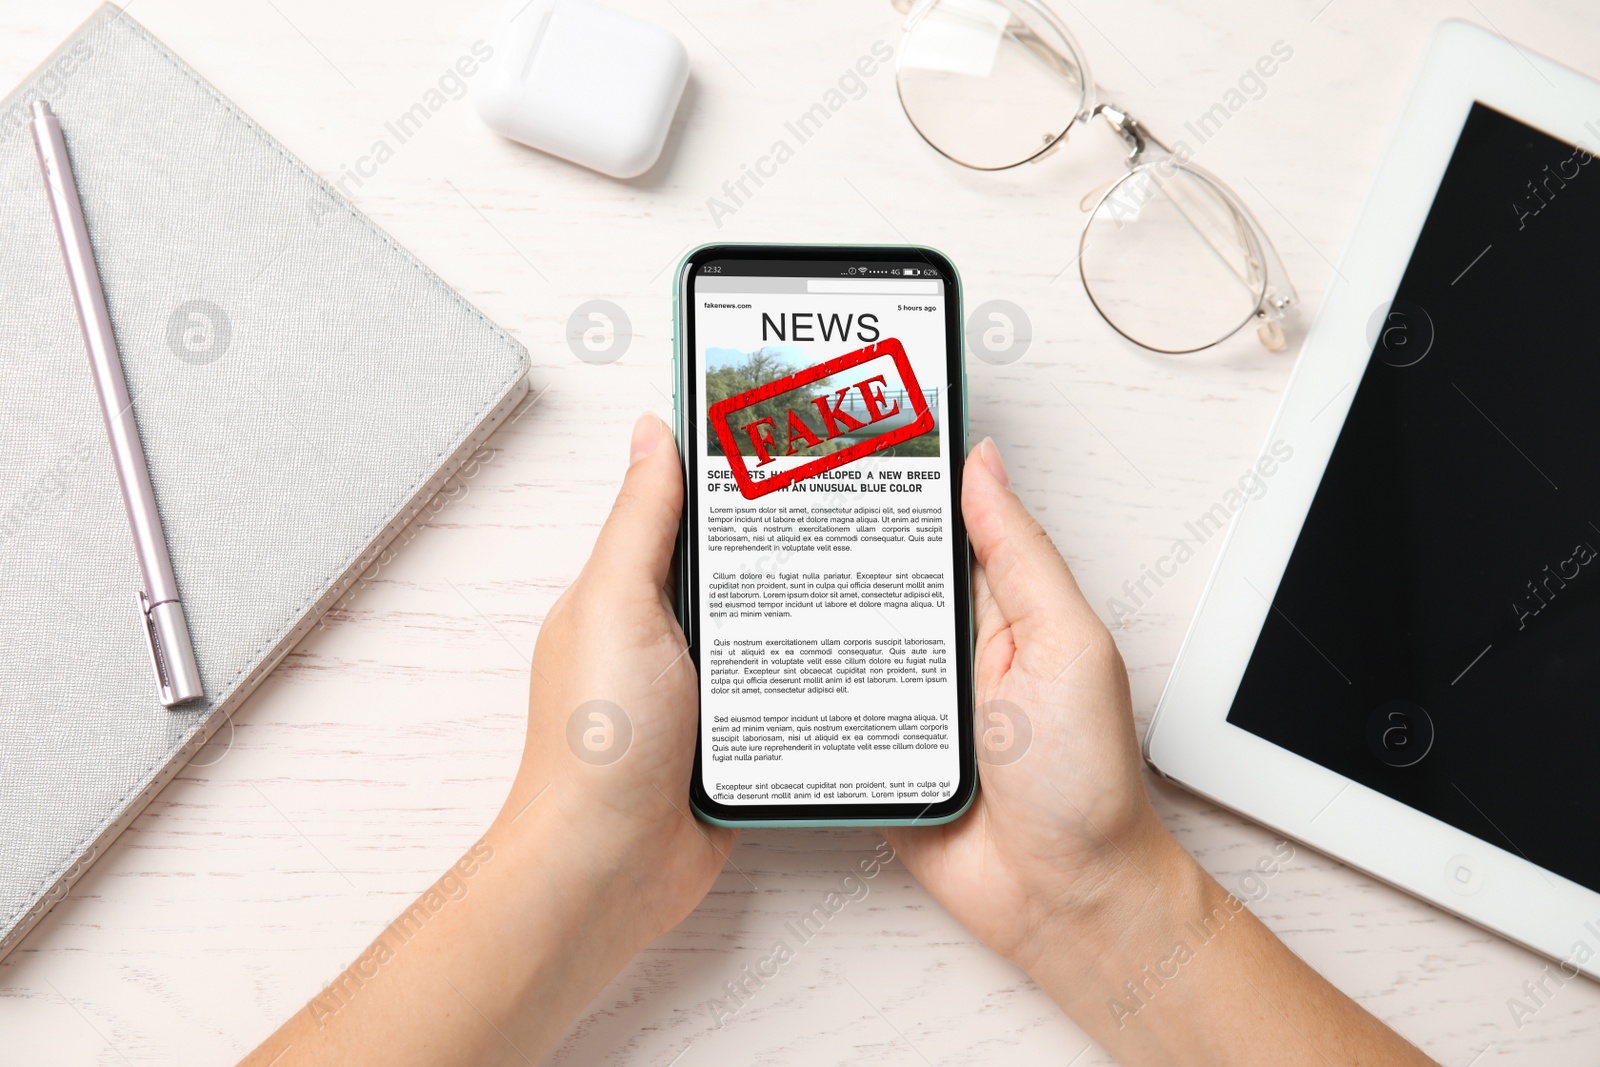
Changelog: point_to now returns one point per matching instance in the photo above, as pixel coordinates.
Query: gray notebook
(302, 384)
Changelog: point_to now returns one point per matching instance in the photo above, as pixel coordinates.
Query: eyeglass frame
(1278, 298)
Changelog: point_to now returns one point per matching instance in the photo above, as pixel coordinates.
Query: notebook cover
(303, 387)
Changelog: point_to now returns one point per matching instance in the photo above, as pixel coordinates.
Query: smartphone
(823, 576)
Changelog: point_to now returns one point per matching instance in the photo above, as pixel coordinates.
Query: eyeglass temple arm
(1074, 68)
(1278, 292)
(1280, 295)
(1138, 140)
(1027, 38)
(1137, 136)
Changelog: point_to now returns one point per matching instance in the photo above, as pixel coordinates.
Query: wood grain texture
(384, 744)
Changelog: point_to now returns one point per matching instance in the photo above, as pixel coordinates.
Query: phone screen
(826, 556)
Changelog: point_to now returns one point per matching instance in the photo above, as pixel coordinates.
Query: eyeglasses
(1170, 256)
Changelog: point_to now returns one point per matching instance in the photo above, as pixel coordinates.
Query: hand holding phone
(1063, 821)
(611, 698)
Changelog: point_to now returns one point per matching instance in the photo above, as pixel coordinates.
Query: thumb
(1029, 581)
(636, 543)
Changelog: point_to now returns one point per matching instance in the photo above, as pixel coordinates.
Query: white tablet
(1397, 657)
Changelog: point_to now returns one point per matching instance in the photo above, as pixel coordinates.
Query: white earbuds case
(583, 82)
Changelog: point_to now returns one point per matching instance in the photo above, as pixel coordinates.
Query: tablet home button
(1399, 732)
(1464, 874)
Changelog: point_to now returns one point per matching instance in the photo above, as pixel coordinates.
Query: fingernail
(991, 459)
(646, 437)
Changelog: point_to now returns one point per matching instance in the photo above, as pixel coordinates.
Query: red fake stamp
(810, 420)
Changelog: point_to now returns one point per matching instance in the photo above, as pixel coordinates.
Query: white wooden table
(383, 745)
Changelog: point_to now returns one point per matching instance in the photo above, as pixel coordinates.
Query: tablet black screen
(1449, 561)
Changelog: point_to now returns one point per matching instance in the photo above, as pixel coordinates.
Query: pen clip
(153, 643)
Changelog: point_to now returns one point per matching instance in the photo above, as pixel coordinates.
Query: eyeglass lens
(1168, 261)
(986, 83)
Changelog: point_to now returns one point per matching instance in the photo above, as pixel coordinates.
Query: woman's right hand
(1062, 826)
(1063, 866)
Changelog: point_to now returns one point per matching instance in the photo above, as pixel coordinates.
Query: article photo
(731, 372)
